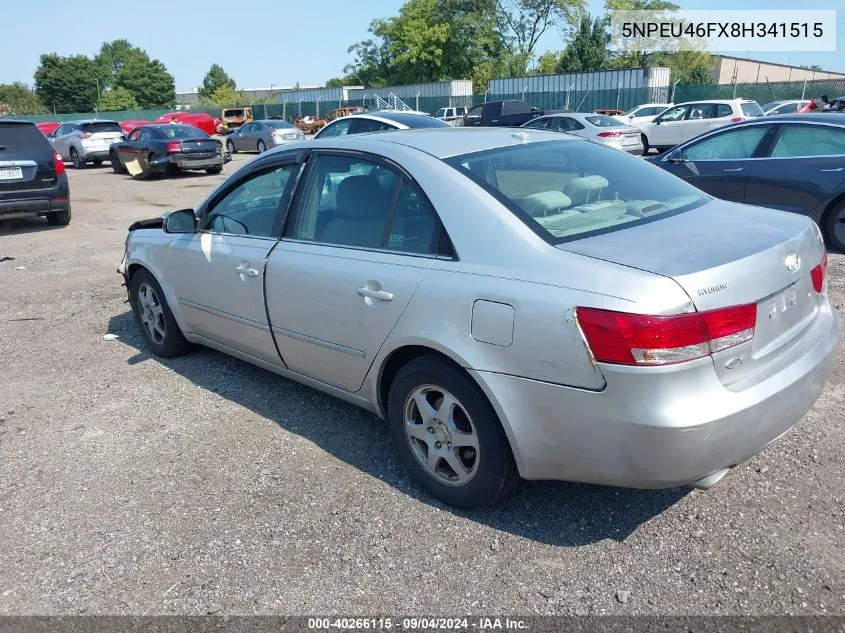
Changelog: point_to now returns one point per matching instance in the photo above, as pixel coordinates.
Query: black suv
(32, 176)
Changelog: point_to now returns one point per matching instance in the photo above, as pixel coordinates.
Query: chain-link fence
(580, 101)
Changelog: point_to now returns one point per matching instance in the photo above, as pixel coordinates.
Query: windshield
(751, 108)
(183, 132)
(601, 120)
(567, 190)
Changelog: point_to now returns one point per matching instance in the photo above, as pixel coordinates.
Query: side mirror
(675, 157)
(182, 221)
(657, 121)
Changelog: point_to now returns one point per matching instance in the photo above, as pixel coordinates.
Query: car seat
(361, 207)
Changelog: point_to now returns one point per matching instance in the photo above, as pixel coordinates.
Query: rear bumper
(92, 154)
(37, 201)
(187, 163)
(657, 428)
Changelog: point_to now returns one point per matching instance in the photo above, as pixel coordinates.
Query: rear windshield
(600, 120)
(183, 131)
(567, 190)
(769, 106)
(277, 124)
(101, 126)
(16, 137)
(751, 108)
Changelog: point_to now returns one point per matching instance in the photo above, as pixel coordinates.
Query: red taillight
(174, 147)
(610, 134)
(817, 275)
(737, 119)
(638, 339)
(59, 163)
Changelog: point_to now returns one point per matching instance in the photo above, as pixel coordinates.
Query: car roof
(449, 141)
(15, 122)
(737, 100)
(87, 121)
(830, 118)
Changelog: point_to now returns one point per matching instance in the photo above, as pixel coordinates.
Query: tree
(587, 51)
(225, 96)
(67, 84)
(18, 98)
(523, 22)
(116, 100)
(113, 57)
(148, 81)
(215, 78)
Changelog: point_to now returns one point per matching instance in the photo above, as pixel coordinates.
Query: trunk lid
(724, 254)
(199, 146)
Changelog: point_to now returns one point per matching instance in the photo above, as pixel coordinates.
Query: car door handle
(837, 169)
(379, 295)
(734, 170)
(244, 269)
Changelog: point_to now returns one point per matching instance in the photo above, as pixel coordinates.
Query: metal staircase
(394, 103)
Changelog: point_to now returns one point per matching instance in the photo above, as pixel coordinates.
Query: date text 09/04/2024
(417, 623)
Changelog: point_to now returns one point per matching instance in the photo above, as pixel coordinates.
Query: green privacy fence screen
(582, 101)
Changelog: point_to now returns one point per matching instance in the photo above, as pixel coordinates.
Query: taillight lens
(610, 134)
(59, 163)
(637, 339)
(174, 147)
(818, 273)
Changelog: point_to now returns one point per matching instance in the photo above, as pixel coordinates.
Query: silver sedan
(512, 302)
(595, 127)
(262, 135)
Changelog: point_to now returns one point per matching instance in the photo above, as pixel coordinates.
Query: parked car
(791, 162)
(378, 121)
(783, 107)
(200, 120)
(642, 113)
(512, 303)
(687, 120)
(130, 124)
(48, 127)
(163, 148)
(501, 114)
(451, 115)
(824, 104)
(32, 175)
(596, 127)
(259, 135)
(83, 142)
(233, 118)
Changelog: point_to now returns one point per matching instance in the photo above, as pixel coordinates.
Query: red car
(48, 127)
(128, 126)
(203, 121)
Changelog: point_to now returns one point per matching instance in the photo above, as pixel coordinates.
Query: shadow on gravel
(555, 513)
(26, 225)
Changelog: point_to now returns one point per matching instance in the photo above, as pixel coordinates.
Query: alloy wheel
(441, 435)
(151, 313)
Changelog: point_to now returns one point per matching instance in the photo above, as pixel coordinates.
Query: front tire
(154, 318)
(261, 147)
(448, 434)
(834, 227)
(230, 147)
(76, 160)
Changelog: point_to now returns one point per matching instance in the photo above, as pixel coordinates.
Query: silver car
(83, 142)
(259, 136)
(596, 127)
(512, 302)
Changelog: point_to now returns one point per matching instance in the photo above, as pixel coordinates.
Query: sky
(268, 42)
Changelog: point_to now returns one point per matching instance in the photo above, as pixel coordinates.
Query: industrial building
(740, 70)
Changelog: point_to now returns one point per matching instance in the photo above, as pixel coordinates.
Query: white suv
(451, 115)
(644, 113)
(687, 120)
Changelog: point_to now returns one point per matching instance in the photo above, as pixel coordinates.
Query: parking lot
(134, 485)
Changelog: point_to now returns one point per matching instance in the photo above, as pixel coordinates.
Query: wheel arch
(834, 204)
(169, 295)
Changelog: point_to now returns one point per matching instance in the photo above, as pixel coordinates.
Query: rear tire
(154, 318)
(261, 147)
(59, 218)
(214, 170)
(434, 442)
(646, 147)
(230, 147)
(835, 217)
(76, 160)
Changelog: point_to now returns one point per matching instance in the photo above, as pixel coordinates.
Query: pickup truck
(501, 114)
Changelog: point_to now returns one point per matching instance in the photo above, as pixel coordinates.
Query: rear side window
(18, 137)
(101, 126)
(809, 140)
(601, 120)
(515, 107)
(751, 108)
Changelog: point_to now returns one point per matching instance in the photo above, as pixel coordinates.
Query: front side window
(787, 108)
(809, 140)
(674, 114)
(253, 206)
(538, 124)
(565, 190)
(751, 108)
(601, 120)
(337, 128)
(136, 135)
(475, 112)
(735, 144)
(441, 112)
(346, 202)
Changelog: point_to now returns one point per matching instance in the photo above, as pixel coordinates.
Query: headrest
(361, 197)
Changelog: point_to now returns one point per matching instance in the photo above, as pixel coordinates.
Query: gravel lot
(202, 485)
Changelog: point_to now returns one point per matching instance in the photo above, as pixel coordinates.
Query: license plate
(630, 140)
(11, 173)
